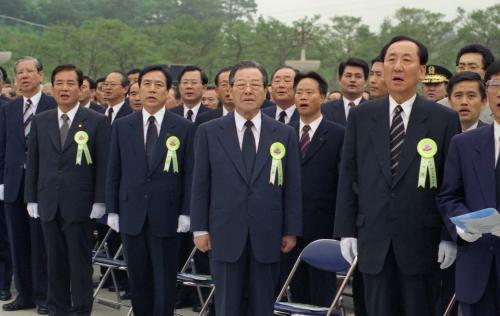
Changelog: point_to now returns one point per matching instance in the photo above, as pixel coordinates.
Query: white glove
(447, 253)
(98, 210)
(1, 192)
(184, 224)
(469, 237)
(33, 210)
(114, 221)
(349, 248)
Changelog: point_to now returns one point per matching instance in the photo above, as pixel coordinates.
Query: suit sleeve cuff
(200, 233)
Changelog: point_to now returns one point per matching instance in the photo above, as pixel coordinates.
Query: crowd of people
(251, 171)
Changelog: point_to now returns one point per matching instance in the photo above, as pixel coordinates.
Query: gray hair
(38, 64)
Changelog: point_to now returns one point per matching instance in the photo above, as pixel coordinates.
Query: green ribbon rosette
(173, 143)
(82, 138)
(427, 149)
(277, 151)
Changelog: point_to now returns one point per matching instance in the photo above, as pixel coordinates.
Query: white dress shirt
(289, 113)
(158, 120)
(313, 125)
(347, 107)
(405, 115)
(71, 114)
(496, 133)
(87, 105)
(195, 110)
(224, 111)
(240, 128)
(473, 126)
(34, 101)
(116, 109)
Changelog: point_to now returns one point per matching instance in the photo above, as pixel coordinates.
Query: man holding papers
(471, 183)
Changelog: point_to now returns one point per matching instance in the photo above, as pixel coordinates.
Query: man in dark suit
(147, 193)
(320, 144)
(353, 74)
(65, 175)
(467, 96)
(385, 204)
(87, 93)
(376, 80)
(471, 174)
(222, 88)
(25, 233)
(283, 95)
(244, 208)
(115, 89)
(192, 83)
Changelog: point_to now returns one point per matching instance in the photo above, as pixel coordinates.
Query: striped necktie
(27, 117)
(397, 137)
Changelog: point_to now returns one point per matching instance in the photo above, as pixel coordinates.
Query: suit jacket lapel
(76, 125)
(19, 111)
(340, 112)
(137, 139)
(167, 129)
(415, 131)
(229, 139)
(484, 166)
(265, 140)
(43, 104)
(53, 131)
(317, 141)
(380, 138)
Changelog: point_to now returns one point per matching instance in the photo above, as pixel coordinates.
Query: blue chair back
(325, 254)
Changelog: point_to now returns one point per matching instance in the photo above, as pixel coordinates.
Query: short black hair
(492, 70)
(377, 59)
(133, 71)
(92, 83)
(488, 57)
(210, 87)
(322, 84)
(99, 80)
(124, 82)
(354, 62)
(203, 76)
(217, 75)
(466, 76)
(296, 71)
(159, 68)
(67, 67)
(423, 54)
(245, 64)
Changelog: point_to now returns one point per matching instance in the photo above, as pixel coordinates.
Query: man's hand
(447, 253)
(202, 242)
(349, 248)
(33, 210)
(183, 224)
(469, 237)
(288, 243)
(114, 221)
(98, 210)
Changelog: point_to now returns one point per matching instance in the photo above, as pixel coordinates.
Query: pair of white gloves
(98, 210)
(183, 224)
(447, 252)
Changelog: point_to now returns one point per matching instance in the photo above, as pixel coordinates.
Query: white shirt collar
(240, 121)
(406, 105)
(71, 114)
(473, 126)
(289, 112)
(116, 108)
(195, 109)
(314, 126)
(158, 116)
(34, 99)
(496, 134)
(224, 110)
(356, 101)
(86, 105)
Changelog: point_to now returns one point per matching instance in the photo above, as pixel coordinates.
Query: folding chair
(103, 258)
(325, 255)
(196, 280)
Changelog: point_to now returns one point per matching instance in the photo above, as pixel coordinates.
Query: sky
(372, 12)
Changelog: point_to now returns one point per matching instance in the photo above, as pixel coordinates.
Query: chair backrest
(325, 254)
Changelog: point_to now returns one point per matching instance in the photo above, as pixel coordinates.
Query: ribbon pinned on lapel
(82, 138)
(278, 151)
(427, 149)
(173, 143)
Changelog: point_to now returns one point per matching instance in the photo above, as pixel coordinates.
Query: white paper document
(479, 222)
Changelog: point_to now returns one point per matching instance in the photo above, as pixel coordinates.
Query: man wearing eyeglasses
(283, 95)
(115, 89)
(244, 209)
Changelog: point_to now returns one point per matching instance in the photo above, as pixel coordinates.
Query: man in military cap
(435, 82)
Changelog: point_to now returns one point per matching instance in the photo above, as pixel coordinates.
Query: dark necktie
(110, 115)
(151, 137)
(305, 140)
(397, 137)
(497, 176)
(63, 131)
(248, 148)
(282, 117)
(190, 115)
(27, 116)
(351, 105)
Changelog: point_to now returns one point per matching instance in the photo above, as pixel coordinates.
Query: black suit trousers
(69, 254)
(5, 257)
